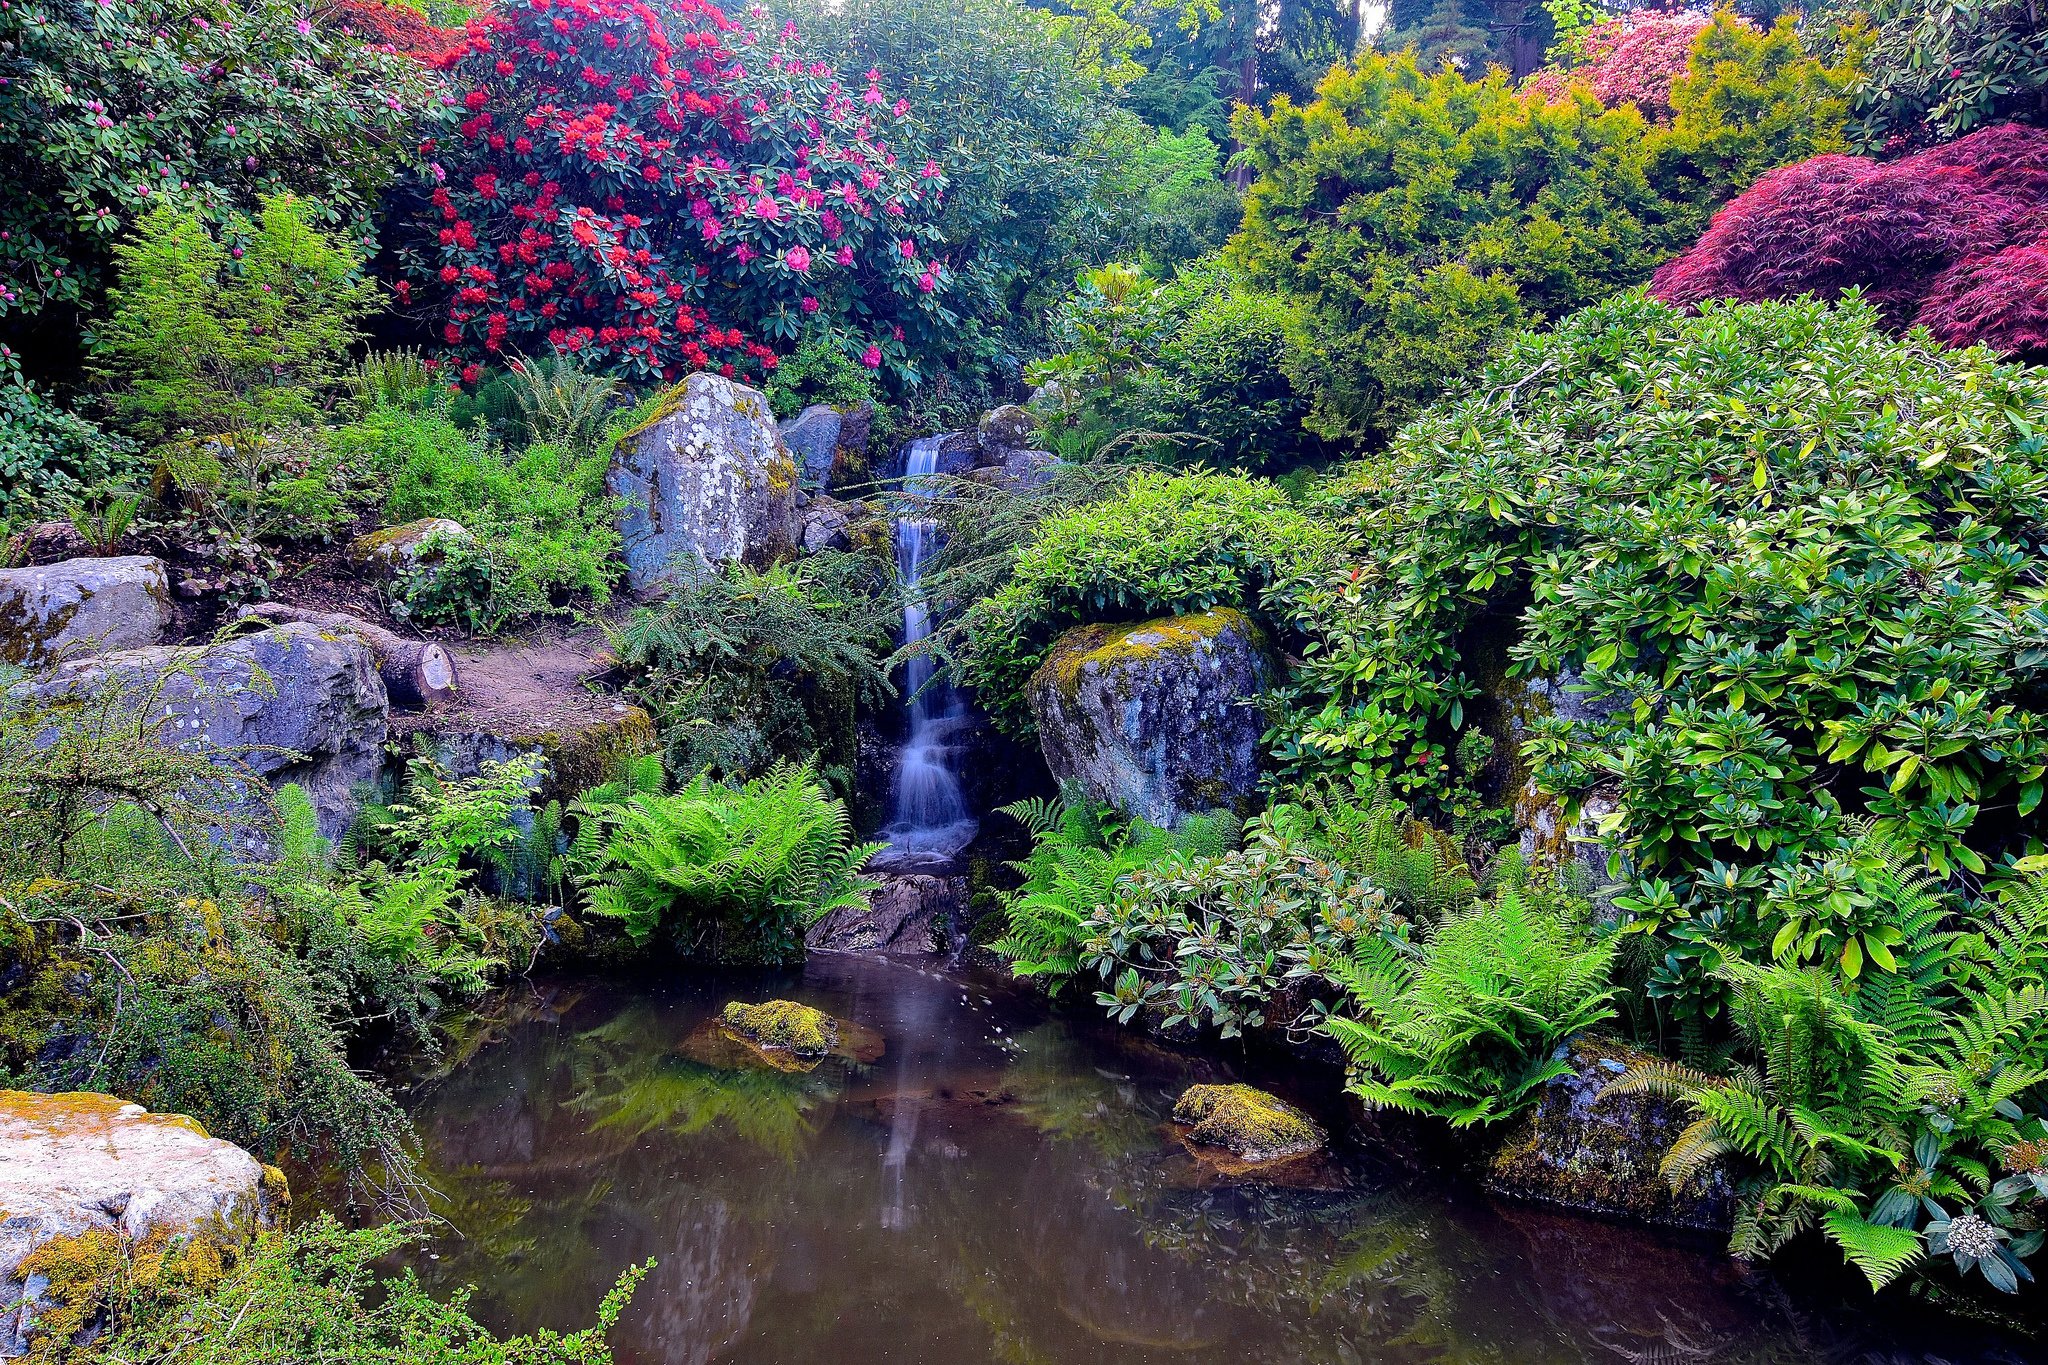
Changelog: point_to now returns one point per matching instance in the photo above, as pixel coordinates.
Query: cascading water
(929, 821)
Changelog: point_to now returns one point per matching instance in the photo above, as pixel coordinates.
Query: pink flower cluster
(1631, 60)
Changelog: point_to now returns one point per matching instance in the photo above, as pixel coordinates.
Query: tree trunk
(417, 673)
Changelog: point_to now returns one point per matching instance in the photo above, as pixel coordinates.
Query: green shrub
(1939, 70)
(1168, 545)
(49, 456)
(1418, 219)
(317, 1293)
(1463, 1022)
(820, 371)
(541, 517)
(728, 874)
(235, 330)
(743, 668)
(1786, 551)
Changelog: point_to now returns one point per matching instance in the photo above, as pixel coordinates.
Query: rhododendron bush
(659, 191)
(109, 108)
(1954, 238)
(1630, 60)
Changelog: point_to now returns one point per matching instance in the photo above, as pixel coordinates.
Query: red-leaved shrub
(1630, 60)
(644, 188)
(391, 26)
(1954, 238)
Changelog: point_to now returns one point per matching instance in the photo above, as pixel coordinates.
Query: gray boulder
(911, 915)
(708, 481)
(1579, 1148)
(1008, 427)
(825, 525)
(293, 703)
(827, 441)
(395, 549)
(84, 1177)
(1161, 720)
(81, 605)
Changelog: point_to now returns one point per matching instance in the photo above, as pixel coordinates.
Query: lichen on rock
(1160, 719)
(782, 1025)
(53, 611)
(1246, 1122)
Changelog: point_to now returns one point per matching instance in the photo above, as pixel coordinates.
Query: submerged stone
(1246, 1122)
(782, 1025)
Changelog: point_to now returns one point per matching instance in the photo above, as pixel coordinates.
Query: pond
(997, 1182)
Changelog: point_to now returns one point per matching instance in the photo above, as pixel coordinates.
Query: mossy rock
(1246, 1122)
(783, 1026)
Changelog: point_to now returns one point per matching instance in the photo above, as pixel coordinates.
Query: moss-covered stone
(1247, 1122)
(782, 1025)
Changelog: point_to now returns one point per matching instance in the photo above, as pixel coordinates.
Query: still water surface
(1000, 1185)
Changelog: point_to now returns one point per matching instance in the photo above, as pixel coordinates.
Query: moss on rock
(783, 1025)
(1247, 1122)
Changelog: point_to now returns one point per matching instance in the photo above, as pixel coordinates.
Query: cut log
(417, 673)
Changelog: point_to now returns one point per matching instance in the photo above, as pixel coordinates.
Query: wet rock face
(82, 606)
(86, 1178)
(291, 704)
(911, 916)
(1161, 719)
(1579, 1151)
(708, 481)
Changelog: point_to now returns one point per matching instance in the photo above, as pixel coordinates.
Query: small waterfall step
(929, 823)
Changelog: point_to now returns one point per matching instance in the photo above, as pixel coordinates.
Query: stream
(995, 1181)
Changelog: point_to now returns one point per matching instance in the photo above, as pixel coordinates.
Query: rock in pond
(1577, 1150)
(709, 480)
(782, 1025)
(1161, 720)
(395, 549)
(778, 1035)
(1246, 1122)
(910, 915)
(292, 703)
(51, 611)
(86, 1179)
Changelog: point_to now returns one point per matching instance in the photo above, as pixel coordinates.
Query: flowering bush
(1955, 238)
(395, 26)
(1630, 60)
(1942, 69)
(111, 107)
(626, 185)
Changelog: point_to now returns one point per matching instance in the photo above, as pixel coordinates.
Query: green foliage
(1784, 553)
(743, 668)
(390, 379)
(48, 455)
(229, 330)
(541, 518)
(1163, 199)
(1940, 68)
(1418, 219)
(1168, 545)
(113, 109)
(1081, 852)
(730, 874)
(1870, 1111)
(1191, 371)
(1463, 1023)
(316, 1293)
(818, 372)
(561, 405)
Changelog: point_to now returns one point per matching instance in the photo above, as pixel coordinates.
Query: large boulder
(912, 915)
(1008, 427)
(293, 703)
(87, 1180)
(395, 549)
(1581, 1149)
(709, 480)
(82, 605)
(1162, 720)
(829, 444)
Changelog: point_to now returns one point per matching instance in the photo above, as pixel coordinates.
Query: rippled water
(999, 1185)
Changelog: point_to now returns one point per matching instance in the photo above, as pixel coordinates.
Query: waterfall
(929, 822)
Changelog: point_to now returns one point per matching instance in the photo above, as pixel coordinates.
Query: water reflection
(991, 1184)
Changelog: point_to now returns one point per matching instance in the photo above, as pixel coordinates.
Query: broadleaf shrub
(1942, 68)
(48, 455)
(1952, 238)
(644, 188)
(112, 108)
(1786, 555)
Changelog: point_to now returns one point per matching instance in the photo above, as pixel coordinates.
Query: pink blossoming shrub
(1954, 238)
(659, 191)
(1631, 60)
